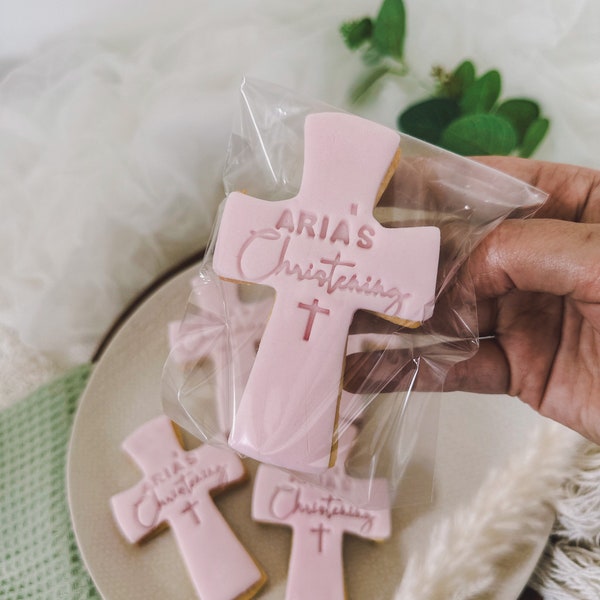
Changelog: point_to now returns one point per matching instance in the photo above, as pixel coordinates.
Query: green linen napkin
(39, 558)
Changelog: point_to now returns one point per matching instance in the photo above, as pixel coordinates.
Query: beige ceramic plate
(476, 433)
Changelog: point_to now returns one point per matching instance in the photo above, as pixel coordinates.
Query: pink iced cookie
(327, 257)
(224, 329)
(319, 518)
(176, 490)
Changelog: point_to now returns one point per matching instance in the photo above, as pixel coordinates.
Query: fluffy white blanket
(112, 136)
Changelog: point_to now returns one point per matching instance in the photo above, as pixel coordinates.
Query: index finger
(574, 192)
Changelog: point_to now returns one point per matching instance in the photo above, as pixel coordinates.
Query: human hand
(537, 284)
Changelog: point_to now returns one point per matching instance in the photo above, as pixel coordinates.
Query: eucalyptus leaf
(482, 94)
(521, 112)
(356, 33)
(453, 85)
(533, 137)
(464, 113)
(426, 120)
(478, 135)
(464, 74)
(389, 29)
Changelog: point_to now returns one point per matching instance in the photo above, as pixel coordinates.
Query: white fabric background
(114, 119)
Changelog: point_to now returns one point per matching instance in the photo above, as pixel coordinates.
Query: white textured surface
(569, 568)
(113, 133)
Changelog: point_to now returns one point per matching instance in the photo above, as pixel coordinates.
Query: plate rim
(103, 351)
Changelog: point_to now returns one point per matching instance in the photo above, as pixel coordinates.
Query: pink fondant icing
(319, 517)
(176, 490)
(222, 328)
(326, 257)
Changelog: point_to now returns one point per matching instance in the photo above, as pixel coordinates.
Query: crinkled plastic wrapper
(332, 246)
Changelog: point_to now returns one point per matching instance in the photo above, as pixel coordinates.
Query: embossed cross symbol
(312, 309)
(176, 489)
(319, 518)
(326, 256)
